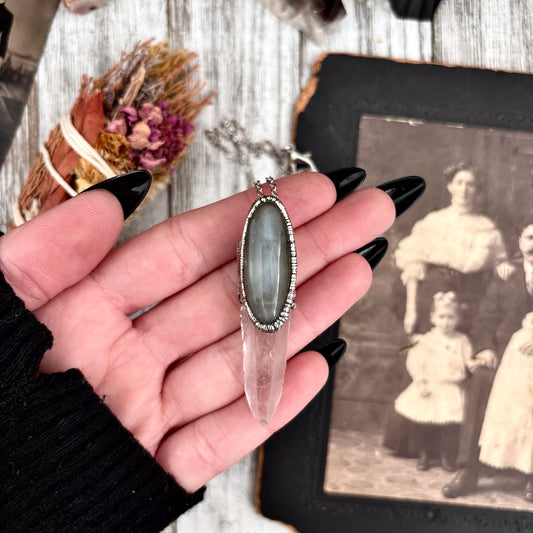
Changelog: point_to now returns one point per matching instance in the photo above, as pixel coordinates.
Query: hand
(486, 358)
(192, 416)
(505, 270)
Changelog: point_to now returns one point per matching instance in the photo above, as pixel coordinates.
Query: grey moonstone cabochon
(266, 272)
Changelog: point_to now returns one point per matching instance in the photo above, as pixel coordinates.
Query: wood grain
(258, 64)
(495, 34)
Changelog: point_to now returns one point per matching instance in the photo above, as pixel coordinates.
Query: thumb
(60, 247)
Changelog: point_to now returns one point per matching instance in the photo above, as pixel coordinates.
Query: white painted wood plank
(495, 34)
(250, 58)
(229, 508)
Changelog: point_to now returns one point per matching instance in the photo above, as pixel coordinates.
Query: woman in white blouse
(451, 249)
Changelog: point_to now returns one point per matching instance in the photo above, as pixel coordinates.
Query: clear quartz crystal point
(265, 359)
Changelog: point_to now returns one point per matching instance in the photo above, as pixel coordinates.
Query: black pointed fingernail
(374, 251)
(346, 180)
(129, 189)
(404, 191)
(333, 351)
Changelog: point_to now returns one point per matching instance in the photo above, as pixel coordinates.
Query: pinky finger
(206, 447)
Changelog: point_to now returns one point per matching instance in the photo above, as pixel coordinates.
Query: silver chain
(231, 139)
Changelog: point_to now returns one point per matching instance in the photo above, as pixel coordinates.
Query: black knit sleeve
(66, 463)
(23, 340)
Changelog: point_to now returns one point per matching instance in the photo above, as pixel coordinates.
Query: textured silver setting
(291, 294)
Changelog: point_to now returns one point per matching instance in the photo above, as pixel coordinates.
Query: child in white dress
(438, 363)
(506, 438)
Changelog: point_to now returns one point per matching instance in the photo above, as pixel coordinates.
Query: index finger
(179, 251)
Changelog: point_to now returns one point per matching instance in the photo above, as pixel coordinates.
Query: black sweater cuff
(23, 340)
(66, 462)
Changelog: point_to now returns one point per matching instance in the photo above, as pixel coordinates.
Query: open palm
(173, 375)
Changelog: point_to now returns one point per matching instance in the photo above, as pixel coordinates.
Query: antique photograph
(433, 400)
(23, 28)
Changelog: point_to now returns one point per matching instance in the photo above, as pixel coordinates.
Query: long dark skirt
(409, 439)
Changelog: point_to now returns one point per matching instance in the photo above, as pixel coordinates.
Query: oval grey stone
(266, 272)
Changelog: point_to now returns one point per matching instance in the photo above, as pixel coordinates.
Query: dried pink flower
(156, 135)
(130, 114)
(118, 126)
(151, 114)
(148, 161)
(140, 136)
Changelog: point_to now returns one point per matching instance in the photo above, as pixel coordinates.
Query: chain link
(231, 139)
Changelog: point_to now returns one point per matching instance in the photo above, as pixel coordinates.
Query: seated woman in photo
(506, 439)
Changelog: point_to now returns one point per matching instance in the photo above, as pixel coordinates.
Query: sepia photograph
(23, 29)
(433, 399)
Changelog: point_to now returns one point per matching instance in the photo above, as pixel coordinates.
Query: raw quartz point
(265, 359)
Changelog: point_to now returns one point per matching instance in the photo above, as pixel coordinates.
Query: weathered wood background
(258, 64)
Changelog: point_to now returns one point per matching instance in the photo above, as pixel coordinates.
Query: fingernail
(346, 180)
(333, 351)
(404, 191)
(374, 251)
(129, 189)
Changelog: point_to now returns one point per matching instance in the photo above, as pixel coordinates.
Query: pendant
(268, 283)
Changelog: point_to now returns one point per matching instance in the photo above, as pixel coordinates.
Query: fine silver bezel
(289, 301)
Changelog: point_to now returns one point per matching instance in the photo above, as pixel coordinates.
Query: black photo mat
(351, 114)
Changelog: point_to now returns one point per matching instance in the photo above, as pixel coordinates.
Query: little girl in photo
(438, 363)
(506, 438)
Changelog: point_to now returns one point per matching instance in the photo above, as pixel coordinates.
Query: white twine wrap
(78, 143)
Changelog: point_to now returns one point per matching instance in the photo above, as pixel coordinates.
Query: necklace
(267, 267)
